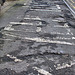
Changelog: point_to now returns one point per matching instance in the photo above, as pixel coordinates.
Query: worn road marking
(44, 72)
(46, 10)
(71, 4)
(58, 7)
(22, 23)
(13, 57)
(38, 29)
(61, 26)
(73, 38)
(39, 39)
(41, 5)
(72, 1)
(9, 27)
(65, 65)
(62, 38)
(58, 33)
(37, 18)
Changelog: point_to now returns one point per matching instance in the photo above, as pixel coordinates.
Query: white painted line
(40, 10)
(9, 27)
(41, 5)
(10, 35)
(58, 20)
(55, 20)
(38, 29)
(57, 33)
(44, 72)
(37, 18)
(10, 56)
(38, 39)
(22, 23)
(61, 33)
(13, 57)
(21, 31)
(65, 65)
(73, 38)
(58, 7)
(45, 10)
(61, 26)
(62, 38)
(68, 30)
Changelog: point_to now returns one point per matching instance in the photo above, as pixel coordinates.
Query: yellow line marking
(71, 4)
(72, 1)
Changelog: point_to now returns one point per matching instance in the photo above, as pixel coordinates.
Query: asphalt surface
(37, 38)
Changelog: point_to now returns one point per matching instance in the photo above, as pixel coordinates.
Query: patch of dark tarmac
(41, 6)
(28, 42)
(57, 16)
(5, 59)
(59, 3)
(43, 65)
(1, 41)
(1, 35)
(38, 7)
(52, 46)
(1, 28)
(72, 24)
(47, 35)
(70, 19)
(12, 72)
(7, 72)
(18, 5)
(67, 71)
(27, 57)
(14, 53)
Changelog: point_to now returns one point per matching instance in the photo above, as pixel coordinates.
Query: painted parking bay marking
(72, 1)
(42, 71)
(71, 4)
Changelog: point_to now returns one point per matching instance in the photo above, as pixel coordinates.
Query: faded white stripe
(56, 10)
(44, 72)
(38, 39)
(37, 18)
(22, 23)
(65, 65)
(58, 7)
(49, 41)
